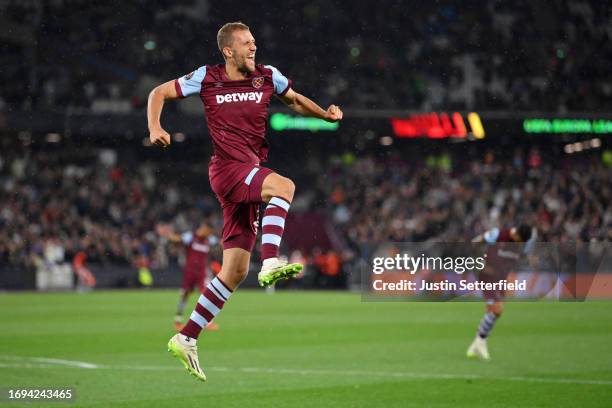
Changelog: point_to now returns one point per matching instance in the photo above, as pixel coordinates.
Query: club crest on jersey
(257, 82)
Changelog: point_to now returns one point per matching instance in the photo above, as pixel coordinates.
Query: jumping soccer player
(505, 249)
(197, 246)
(236, 96)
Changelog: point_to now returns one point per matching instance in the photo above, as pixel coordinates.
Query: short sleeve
(191, 83)
(187, 237)
(281, 82)
(491, 235)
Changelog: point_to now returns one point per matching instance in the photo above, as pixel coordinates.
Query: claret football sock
(209, 305)
(272, 227)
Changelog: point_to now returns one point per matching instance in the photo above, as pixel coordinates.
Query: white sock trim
(271, 239)
(279, 202)
(216, 283)
(198, 319)
(273, 220)
(208, 305)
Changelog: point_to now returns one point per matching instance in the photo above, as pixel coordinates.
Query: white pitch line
(56, 361)
(25, 365)
(26, 362)
(72, 363)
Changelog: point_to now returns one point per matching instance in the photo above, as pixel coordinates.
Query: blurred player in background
(236, 96)
(85, 279)
(506, 246)
(197, 247)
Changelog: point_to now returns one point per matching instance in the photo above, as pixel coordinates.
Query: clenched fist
(159, 137)
(333, 114)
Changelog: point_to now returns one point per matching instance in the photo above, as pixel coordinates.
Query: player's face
(203, 230)
(243, 51)
(515, 235)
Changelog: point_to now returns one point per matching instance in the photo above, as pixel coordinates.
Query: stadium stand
(441, 55)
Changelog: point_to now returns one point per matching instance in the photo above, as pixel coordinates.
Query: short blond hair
(225, 34)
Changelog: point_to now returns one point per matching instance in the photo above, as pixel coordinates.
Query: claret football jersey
(236, 110)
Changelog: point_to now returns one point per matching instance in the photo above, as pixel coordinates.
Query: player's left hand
(333, 114)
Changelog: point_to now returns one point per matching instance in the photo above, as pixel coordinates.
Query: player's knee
(238, 273)
(284, 188)
(289, 189)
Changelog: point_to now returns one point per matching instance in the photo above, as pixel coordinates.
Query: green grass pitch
(305, 349)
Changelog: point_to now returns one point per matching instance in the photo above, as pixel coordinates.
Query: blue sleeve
(191, 83)
(491, 235)
(281, 83)
(187, 237)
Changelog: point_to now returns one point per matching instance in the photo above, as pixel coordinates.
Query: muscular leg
(235, 267)
(275, 185)
(233, 271)
(240, 189)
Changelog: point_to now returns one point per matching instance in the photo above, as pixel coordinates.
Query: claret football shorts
(237, 186)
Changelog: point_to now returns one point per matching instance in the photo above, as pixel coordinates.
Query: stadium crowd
(96, 200)
(99, 57)
(82, 200)
(452, 199)
(104, 57)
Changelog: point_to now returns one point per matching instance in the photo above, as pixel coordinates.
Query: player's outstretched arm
(167, 232)
(157, 134)
(307, 107)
